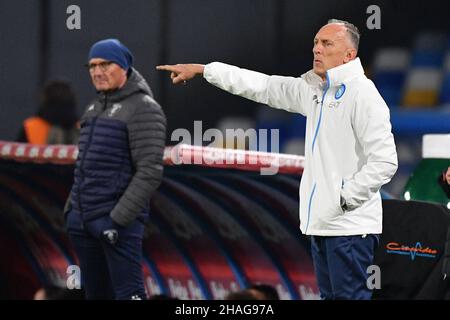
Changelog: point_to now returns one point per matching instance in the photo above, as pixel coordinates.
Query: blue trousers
(341, 263)
(110, 266)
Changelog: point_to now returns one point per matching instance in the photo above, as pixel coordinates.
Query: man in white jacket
(349, 151)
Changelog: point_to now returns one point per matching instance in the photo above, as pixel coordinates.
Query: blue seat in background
(297, 126)
(425, 58)
(445, 89)
(428, 50)
(390, 84)
(295, 139)
(389, 69)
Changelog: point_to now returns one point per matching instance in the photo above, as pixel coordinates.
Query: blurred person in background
(349, 151)
(264, 291)
(119, 167)
(254, 292)
(56, 121)
(241, 295)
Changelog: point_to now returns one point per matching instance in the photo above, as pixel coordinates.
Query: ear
(350, 54)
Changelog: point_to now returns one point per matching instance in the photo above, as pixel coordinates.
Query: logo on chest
(339, 93)
(115, 107)
(334, 104)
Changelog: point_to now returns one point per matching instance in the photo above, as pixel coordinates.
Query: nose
(96, 71)
(317, 49)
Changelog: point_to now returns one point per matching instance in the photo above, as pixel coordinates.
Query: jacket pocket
(341, 200)
(328, 200)
(336, 197)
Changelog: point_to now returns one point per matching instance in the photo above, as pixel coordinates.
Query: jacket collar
(337, 75)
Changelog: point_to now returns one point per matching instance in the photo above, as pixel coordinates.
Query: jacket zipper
(312, 147)
(84, 156)
(320, 115)
(309, 207)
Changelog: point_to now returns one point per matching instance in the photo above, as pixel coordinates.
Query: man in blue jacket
(119, 167)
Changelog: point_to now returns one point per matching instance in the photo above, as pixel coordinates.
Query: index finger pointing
(165, 67)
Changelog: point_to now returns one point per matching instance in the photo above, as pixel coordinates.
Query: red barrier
(174, 155)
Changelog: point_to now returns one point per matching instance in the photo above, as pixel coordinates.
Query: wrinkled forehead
(332, 31)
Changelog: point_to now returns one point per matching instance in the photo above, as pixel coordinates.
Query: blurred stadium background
(408, 59)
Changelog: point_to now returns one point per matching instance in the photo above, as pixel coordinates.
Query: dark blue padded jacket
(120, 159)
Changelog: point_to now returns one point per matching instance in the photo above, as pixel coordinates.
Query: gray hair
(352, 30)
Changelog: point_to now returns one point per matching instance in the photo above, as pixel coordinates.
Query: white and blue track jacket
(349, 148)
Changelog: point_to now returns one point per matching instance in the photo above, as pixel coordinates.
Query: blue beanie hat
(112, 50)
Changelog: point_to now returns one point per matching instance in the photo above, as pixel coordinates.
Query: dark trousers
(341, 263)
(110, 267)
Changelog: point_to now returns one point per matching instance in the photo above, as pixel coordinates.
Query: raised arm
(285, 93)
